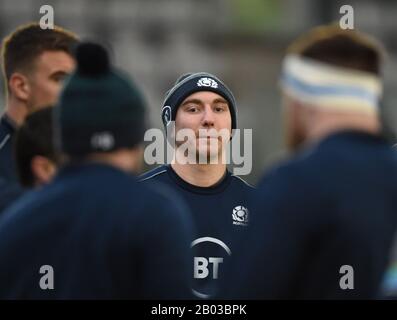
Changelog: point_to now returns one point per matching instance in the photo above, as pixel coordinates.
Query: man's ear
(137, 159)
(294, 122)
(43, 170)
(19, 86)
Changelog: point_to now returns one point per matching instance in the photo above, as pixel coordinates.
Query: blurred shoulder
(155, 174)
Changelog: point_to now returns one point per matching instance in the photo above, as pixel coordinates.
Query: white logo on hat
(240, 216)
(102, 140)
(166, 114)
(207, 82)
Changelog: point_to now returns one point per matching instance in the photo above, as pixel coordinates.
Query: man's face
(46, 78)
(200, 112)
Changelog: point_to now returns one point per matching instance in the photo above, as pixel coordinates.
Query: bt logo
(210, 254)
(203, 265)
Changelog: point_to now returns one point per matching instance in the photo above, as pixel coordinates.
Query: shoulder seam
(249, 185)
(6, 138)
(153, 175)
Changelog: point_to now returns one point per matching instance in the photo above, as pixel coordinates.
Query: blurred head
(35, 62)
(331, 81)
(36, 160)
(100, 115)
(204, 112)
(207, 115)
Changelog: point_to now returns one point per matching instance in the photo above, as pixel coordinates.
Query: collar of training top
(10, 124)
(216, 188)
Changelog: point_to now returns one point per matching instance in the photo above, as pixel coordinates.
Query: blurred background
(240, 41)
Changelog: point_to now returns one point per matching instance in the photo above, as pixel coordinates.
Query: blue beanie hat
(194, 82)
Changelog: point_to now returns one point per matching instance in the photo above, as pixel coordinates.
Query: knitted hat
(194, 82)
(99, 109)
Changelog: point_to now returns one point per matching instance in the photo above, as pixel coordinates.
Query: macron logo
(240, 216)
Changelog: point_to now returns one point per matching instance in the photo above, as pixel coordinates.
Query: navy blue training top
(220, 215)
(10, 188)
(323, 224)
(7, 162)
(104, 235)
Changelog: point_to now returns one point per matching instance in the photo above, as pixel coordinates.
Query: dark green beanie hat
(99, 109)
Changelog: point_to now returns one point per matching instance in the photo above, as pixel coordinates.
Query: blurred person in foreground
(97, 231)
(35, 156)
(324, 220)
(36, 161)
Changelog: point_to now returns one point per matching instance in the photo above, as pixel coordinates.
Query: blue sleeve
(9, 193)
(166, 262)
